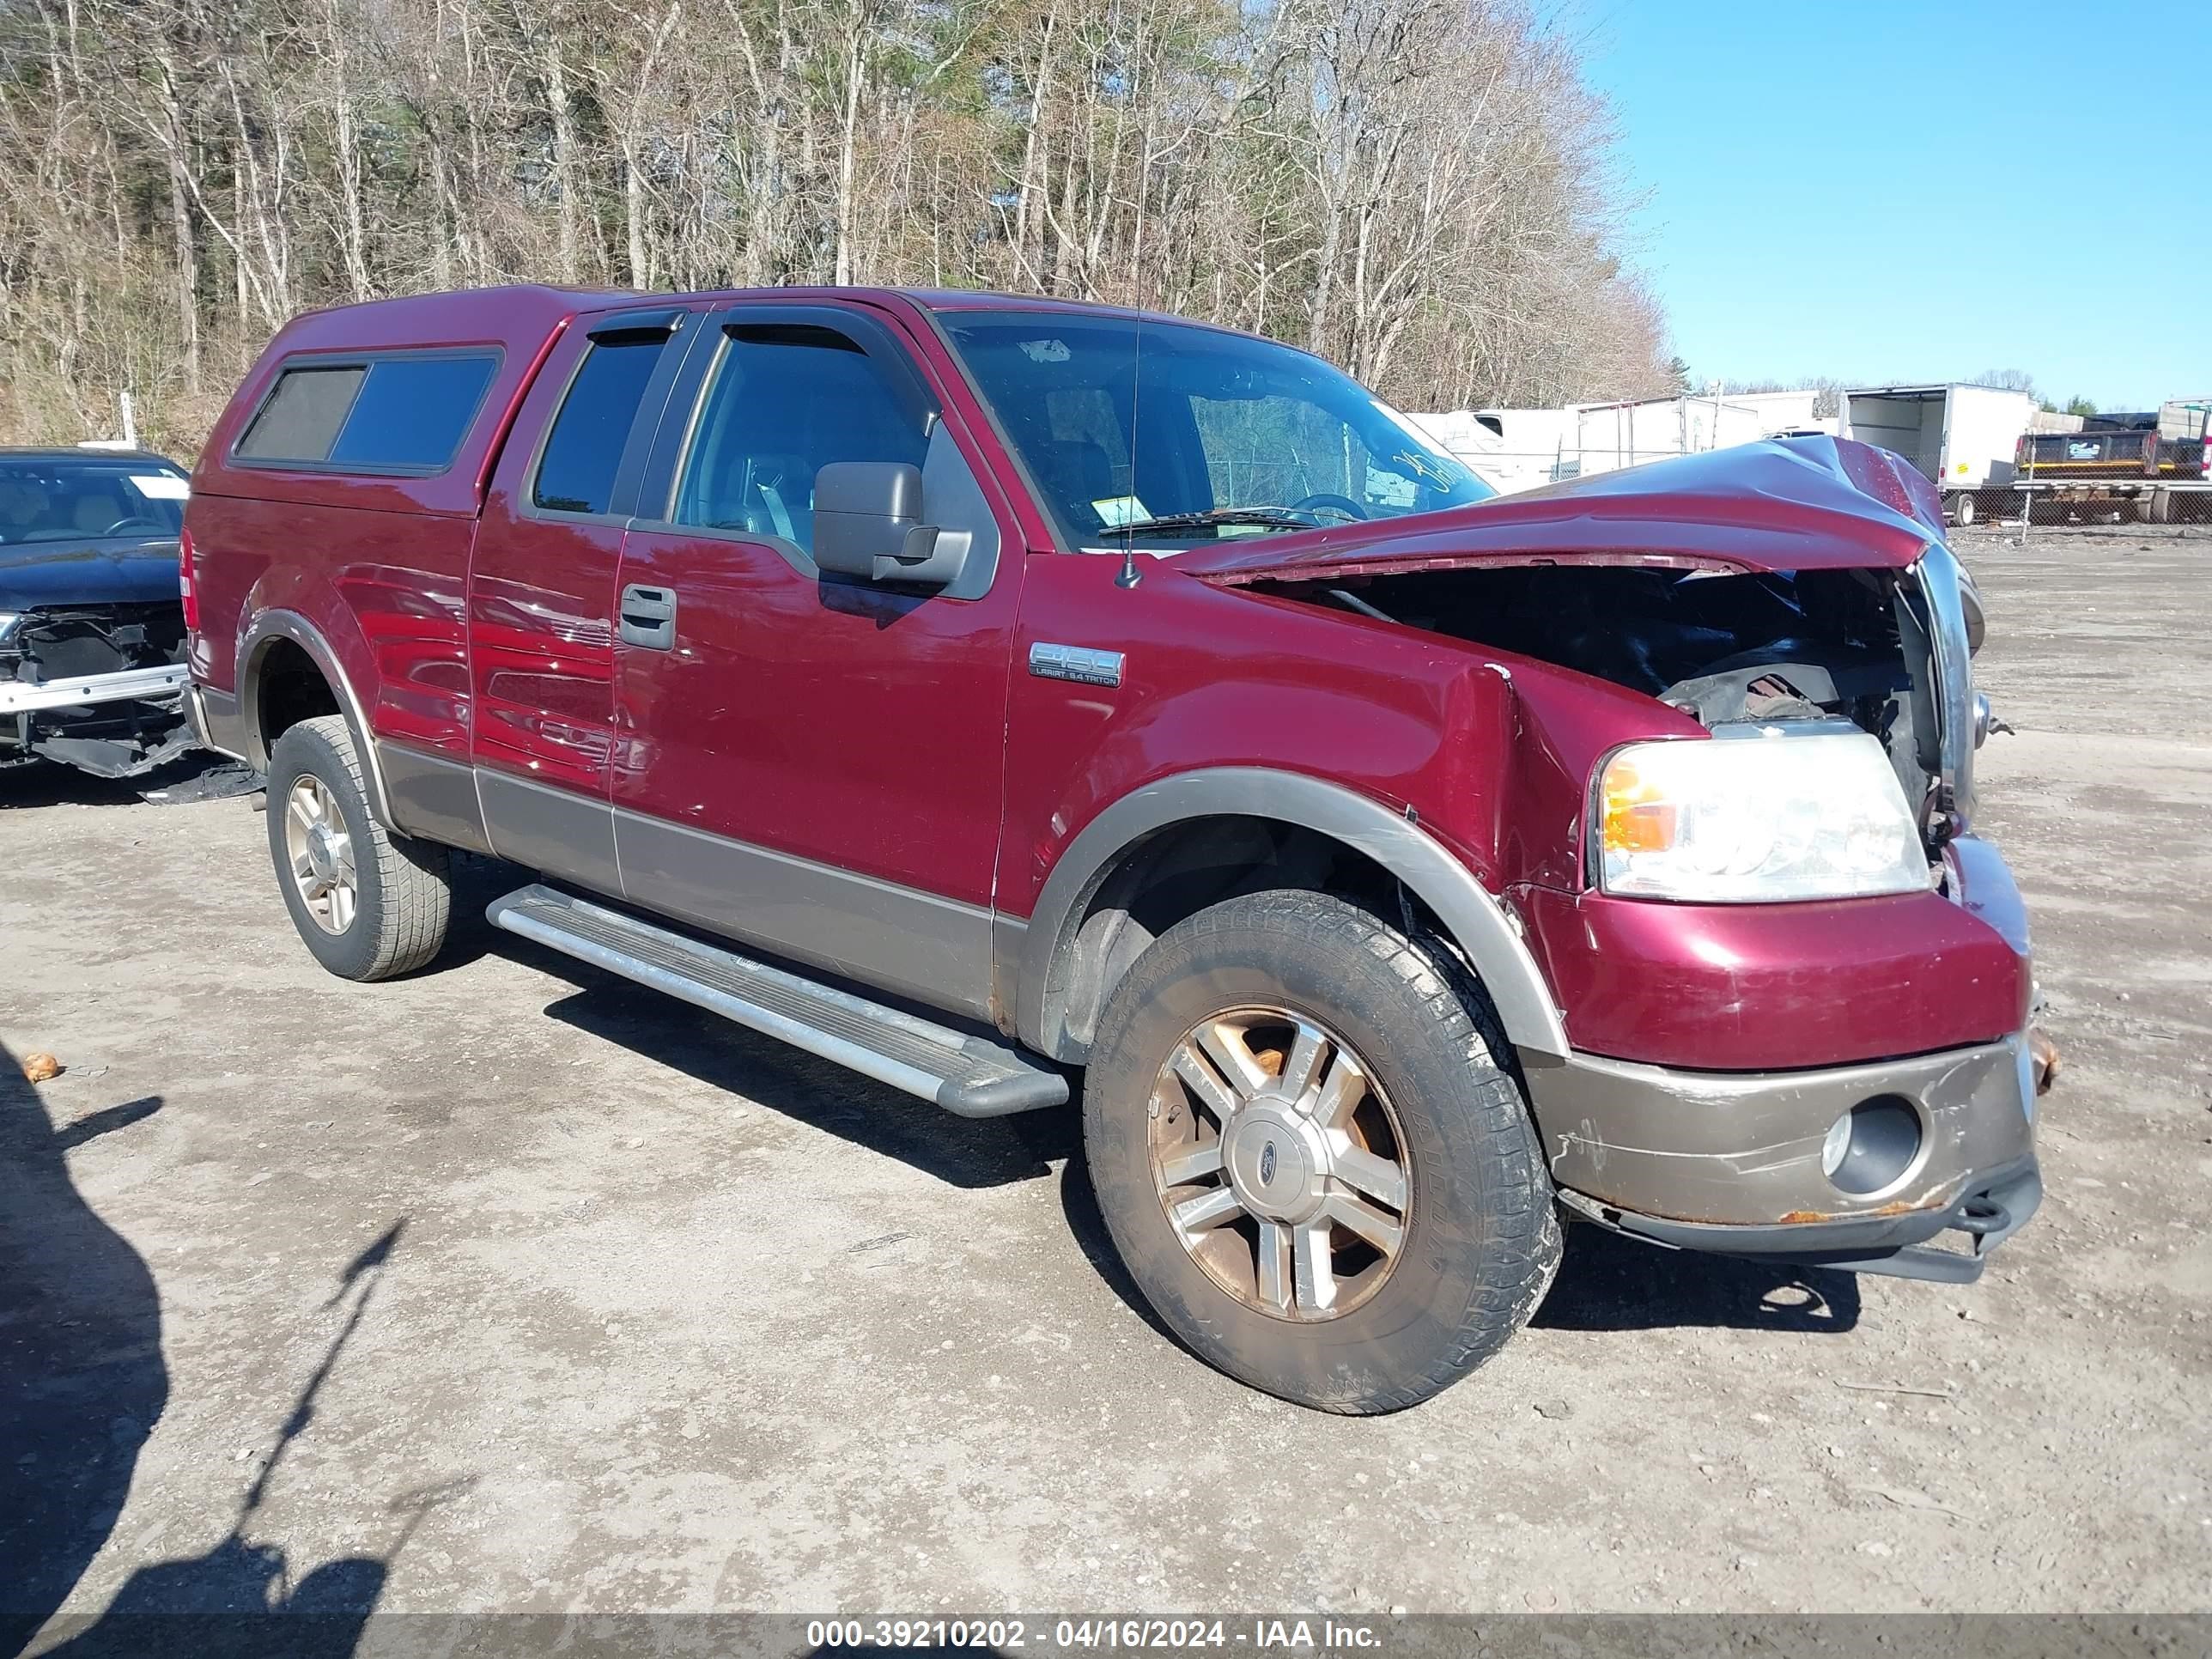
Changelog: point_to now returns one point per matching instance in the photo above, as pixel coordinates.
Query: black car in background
(92, 626)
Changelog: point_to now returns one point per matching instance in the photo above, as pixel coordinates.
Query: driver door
(812, 762)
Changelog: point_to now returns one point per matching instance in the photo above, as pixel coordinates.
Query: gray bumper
(1731, 1161)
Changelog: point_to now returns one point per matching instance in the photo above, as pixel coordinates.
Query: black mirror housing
(868, 523)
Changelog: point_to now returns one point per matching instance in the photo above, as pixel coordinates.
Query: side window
(584, 450)
(402, 414)
(301, 420)
(786, 401)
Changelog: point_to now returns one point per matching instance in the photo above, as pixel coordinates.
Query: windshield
(63, 498)
(1171, 435)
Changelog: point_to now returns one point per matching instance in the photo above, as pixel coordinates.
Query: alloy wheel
(1279, 1163)
(320, 851)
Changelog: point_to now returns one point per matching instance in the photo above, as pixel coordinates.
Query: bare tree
(1416, 188)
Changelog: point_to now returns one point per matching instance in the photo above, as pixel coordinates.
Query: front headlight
(1756, 814)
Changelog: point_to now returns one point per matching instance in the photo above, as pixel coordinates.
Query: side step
(968, 1076)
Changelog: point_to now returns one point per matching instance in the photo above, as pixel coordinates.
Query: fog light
(1872, 1145)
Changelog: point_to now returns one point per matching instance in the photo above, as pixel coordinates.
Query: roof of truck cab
(507, 316)
(528, 312)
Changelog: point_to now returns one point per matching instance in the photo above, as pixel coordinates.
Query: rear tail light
(188, 584)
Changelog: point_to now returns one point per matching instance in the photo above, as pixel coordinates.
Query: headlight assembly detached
(1756, 814)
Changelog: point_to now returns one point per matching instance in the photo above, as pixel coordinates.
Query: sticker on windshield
(1045, 351)
(160, 486)
(1117, 510)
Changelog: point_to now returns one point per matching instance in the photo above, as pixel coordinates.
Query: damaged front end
(97, 687)
(1886, 652)
(1796, 986)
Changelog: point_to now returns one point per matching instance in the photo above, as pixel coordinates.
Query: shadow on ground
(727, 1057)
(1608, 1283)
(200, 774)
(82, 1383)
(81, 1380)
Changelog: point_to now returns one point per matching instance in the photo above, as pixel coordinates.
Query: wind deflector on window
(792, 334)
(636, 327)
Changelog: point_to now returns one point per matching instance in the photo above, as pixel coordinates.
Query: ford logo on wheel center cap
(1267, 1165)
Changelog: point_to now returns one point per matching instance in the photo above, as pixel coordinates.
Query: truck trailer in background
(1965, 438)
(2155, 467)
(1516, 449)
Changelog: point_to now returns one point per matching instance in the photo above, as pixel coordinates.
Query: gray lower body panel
(215, 719)
(432, 797)
(936, 951)
(1729, 1149)
(555, 830)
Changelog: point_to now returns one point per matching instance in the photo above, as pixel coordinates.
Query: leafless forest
(1421, 189)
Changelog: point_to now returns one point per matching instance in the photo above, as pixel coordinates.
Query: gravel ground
(512, 1287)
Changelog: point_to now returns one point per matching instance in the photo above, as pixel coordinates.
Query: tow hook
(1986, 720)
(1981, 1216)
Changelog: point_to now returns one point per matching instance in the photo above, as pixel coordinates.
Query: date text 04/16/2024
(1258, 1635)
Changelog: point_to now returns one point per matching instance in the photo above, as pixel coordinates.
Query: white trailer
(1516, 449)
(1963, 436)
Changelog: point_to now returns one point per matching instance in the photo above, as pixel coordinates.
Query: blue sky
(1887, 191)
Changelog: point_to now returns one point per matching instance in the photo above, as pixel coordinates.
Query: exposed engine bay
(1842, 645)
(63, 643)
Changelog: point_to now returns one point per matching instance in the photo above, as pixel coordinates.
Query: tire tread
(1514, 1275)
(414, 899)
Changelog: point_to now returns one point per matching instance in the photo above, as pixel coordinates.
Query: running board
(968, 1075)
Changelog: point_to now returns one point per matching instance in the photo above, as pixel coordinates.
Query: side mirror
(867, 523)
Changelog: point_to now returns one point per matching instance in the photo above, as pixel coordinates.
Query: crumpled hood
(97, 570)
(1812, 503)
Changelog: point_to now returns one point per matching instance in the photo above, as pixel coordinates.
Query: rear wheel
(368, 904)
(1963, 509)
(1310, 1157)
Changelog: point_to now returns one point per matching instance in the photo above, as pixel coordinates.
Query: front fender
(1475, 920)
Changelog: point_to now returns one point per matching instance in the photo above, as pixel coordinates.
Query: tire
(1480, 1236)
(1963, 509)
(402, 888)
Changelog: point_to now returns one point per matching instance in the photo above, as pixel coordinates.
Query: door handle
(649, 618)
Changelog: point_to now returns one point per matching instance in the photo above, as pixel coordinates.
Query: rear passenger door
(809, 761)
(541, 598)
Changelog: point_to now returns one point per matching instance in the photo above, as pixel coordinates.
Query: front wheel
(368, 904)
(1311, 1157)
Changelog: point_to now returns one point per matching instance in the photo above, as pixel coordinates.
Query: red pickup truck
(989, 694)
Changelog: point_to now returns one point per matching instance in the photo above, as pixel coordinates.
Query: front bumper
(1992, 1208)
(1731, 1162)
(115, 725)
(88, 691)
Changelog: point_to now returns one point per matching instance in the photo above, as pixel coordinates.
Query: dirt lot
(543, 1293)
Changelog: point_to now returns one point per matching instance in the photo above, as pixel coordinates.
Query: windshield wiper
(1271, 518)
